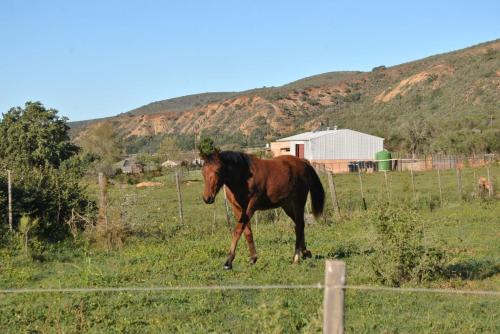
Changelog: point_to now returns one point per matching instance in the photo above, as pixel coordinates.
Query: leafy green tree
(46, 169)
(34, 136)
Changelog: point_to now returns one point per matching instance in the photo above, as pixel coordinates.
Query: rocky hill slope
(434, 104)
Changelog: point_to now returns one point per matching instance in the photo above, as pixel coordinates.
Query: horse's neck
(236, 182)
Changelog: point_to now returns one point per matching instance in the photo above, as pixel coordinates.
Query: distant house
(333, 149)
(129, 166)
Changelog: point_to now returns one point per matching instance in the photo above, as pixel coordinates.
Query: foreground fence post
(333, 302)
(333, 192)
(9, 190)
(179, 197)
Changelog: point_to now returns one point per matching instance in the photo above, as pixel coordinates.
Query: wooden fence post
(103, 219)
(9, 190)
(412, 180)
(440, 190)
(459, 184)
(228, 218)
(215, 216)
(490, 182)
(256, 217)
(333, 192)
(333, 302)
(387, 185)
(361, 187)
(179, 197)
(474, 183)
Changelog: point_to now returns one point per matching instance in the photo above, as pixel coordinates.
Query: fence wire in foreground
(247, 287)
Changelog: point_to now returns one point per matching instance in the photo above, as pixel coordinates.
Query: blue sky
(92, 59)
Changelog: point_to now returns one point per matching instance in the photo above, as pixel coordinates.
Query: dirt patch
(405, 85)
(148, 184)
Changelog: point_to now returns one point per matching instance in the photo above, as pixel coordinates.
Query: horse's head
(212, 172)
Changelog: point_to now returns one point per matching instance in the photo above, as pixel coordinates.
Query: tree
(417, 135)
(46, 167)
(34, 136)
(169, 149)
(103, 142)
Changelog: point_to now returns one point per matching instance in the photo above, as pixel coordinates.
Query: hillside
(445, 103)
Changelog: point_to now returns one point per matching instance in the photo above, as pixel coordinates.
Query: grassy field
(160, 251)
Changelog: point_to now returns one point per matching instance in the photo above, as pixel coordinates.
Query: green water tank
(383, 155)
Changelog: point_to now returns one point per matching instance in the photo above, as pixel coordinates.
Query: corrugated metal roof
(305, 136)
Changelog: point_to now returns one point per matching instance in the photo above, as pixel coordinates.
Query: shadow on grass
(345, 250)
(472, 269)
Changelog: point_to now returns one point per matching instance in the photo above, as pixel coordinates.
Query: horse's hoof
(252, 261)
(306, 254)
(228, 266)
(296, 258)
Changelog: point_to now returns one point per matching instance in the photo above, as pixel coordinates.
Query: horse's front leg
(251, 243)
(252, 205)
(243, 225)
(238, 229)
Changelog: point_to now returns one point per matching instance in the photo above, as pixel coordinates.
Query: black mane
(235, 158)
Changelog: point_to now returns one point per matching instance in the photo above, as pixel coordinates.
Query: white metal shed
(343, 144)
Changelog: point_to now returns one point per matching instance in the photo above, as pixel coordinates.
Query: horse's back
(281, 177)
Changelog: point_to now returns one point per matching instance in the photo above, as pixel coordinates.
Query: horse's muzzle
(209, 200)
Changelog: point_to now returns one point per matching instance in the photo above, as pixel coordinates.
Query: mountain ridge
(433, 87)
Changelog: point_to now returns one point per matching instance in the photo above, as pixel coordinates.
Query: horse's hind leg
(297, 215)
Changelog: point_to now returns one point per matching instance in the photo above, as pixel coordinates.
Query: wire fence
(147, 209)
(333, 300)
(247, 287)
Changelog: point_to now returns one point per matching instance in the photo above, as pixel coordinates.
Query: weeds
(400, 255)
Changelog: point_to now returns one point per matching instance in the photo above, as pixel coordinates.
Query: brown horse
(256, 184)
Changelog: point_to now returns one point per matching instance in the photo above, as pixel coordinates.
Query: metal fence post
(333, 303)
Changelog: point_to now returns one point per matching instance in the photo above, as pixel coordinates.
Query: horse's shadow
(472, 269)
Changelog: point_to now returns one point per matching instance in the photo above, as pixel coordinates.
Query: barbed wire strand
(247, 287)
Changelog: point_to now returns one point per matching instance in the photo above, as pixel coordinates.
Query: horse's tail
(317, 192)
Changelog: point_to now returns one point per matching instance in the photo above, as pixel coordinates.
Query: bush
(400, 255)
(49, 195)
(46, 167)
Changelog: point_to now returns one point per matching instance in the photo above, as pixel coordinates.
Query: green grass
(160, 251)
